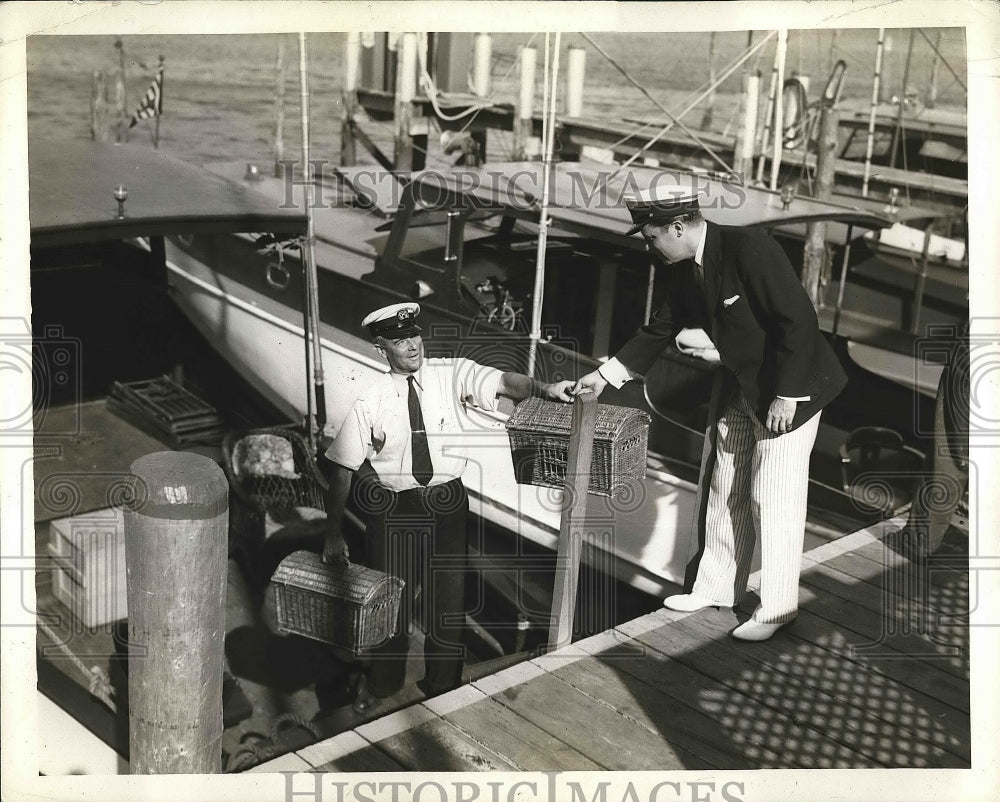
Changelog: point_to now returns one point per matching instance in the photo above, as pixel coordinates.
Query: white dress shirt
(377, 427)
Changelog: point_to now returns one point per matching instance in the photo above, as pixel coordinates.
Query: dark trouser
(420, 537)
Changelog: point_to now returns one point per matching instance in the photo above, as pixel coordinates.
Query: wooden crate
(89, 578)
(352, 607)
(539, 444)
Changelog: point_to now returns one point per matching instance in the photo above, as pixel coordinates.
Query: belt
(429, 490)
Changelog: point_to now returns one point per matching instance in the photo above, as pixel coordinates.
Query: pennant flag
(152, 101)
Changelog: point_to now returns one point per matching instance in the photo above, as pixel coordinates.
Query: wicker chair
(253, 497)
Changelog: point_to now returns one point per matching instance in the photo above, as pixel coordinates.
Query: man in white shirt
(404, 438)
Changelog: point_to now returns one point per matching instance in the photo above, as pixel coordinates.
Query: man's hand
(780, 414)
(592, 381)
(335, 549)
(559, 391)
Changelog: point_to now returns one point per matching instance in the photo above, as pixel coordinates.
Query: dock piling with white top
(176, 544)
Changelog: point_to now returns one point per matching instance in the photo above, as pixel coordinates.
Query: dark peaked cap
(659, 205)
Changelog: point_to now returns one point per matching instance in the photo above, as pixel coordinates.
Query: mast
(311, 330)
(543, 222)
(871, 117)
(902, 102)
(779, 112)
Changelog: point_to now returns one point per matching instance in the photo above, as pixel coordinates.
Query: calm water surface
(219, 89)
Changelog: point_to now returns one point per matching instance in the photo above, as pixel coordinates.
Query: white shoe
(689, 602)
(756, 631)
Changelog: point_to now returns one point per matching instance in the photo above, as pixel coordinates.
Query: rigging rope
(659, 105)
(943, 59)
(728, 71)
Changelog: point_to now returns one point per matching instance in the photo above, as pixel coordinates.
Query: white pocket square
(730, 301)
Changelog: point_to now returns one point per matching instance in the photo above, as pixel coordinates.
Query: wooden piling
(572, 520)
(349, 99)
(98, 108)
(176, 535)
(746, 134)
(815, 256)
(121, 95)
(481, 66)
(279, 109)
(709, 113)
(523, 119)
(403, 112)
(575, 68)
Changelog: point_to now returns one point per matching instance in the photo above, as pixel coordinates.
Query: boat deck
(873, 673)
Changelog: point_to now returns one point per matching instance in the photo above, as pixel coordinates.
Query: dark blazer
(768, 337)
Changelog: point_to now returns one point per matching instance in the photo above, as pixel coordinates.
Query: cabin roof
(585, 196)
(71, 200)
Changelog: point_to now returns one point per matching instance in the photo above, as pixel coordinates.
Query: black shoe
(366, 703)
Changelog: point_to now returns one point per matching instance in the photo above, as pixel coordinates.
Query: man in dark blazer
(738, 285)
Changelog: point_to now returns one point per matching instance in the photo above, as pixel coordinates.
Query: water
(219, 89)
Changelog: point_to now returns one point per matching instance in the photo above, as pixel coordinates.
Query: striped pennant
(152, 101)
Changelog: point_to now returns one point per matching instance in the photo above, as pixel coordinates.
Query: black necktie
(423, 469)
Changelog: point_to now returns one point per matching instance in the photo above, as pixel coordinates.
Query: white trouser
(758, 488)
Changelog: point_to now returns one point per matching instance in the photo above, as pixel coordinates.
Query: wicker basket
(255, 494)
(539, 444)
(352, 607)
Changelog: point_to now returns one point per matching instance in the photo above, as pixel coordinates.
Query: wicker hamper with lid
(352, 607)
(539, 443)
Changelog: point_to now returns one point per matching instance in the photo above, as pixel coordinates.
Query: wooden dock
(873, 673)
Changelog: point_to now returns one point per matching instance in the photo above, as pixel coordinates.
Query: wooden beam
(574, 508)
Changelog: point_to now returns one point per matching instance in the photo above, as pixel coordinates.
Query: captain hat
(658, 205)
(394, 321)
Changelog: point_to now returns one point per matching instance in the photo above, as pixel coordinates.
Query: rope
(728, 71)
(262, 748)
(98, 681)
(659, 105)
(943, 60)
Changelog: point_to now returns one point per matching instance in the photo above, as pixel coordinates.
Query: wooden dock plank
(641, 696)
(845, 701)
(751, 705)
(609, 739)
(438, 745)
(879, 696)
(348, 752)
(906, 627)
(520, 742)
(898, 666)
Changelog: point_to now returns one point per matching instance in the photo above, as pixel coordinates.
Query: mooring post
(746, 134)
(352, 61)
(278, 148)
(98, 108)
(523, 119)
(816, 249)
(176, 533)
(572, 520)
(406, 90)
